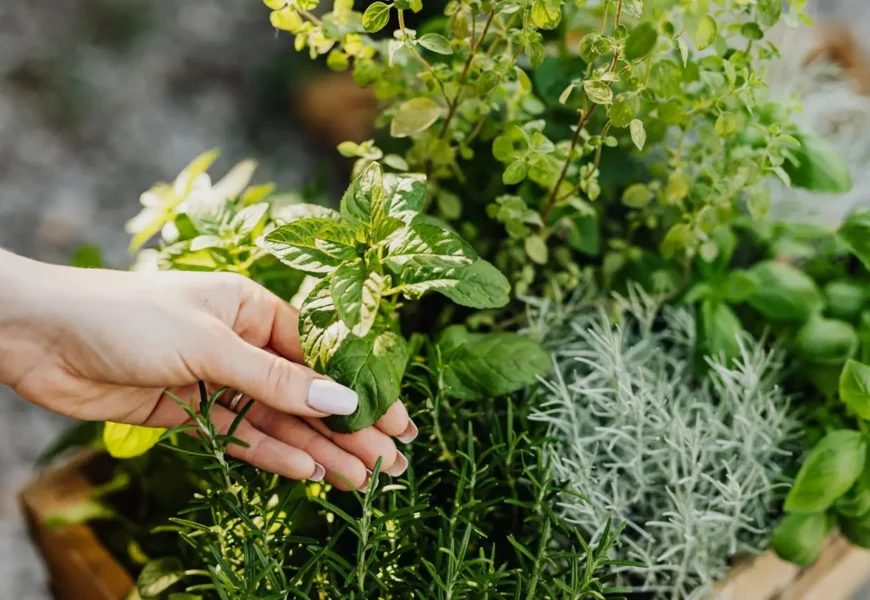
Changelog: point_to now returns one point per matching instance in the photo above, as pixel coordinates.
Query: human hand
(105, 345)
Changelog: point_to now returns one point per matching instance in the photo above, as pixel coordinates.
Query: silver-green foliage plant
(693, 463)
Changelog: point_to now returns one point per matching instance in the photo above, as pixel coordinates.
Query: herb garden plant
(536, 163)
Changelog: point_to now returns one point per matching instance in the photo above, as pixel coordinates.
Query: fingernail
(331, 398)
(400, 466)
(319, 473)
(410, 433)
(365, 486)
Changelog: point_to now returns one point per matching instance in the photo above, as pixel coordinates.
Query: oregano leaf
(436, 43)
(356, 293)
(414, 116)
(598, 92)
(641, 41)
(638, 133)
(376, 17)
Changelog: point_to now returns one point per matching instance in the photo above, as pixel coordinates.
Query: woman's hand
(106, 345)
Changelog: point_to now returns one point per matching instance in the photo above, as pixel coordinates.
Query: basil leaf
(826, 341)
(296, 245)
(856, 503)
(479, 285)
(799, 538)
(422, 252)
(363, 202)
(830, 469)
(855, 233)
(405, 195)
(159, 575)
(373, 367)
(783, 293)
(856, 531)
(489, 364)
(356, 293)
(320, 328)
(855, 388)
(719, 330)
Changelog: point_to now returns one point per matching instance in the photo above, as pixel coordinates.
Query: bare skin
(105, 345)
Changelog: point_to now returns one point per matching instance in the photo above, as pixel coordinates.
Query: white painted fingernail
(331, 397)
(319, 473)
(410, 434)
(400, 466)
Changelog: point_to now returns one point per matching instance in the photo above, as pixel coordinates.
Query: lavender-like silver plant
(693, 462)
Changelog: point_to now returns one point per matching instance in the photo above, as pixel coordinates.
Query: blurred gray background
(99, 99)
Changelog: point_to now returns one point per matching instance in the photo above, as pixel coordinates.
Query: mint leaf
(363, 202)
(248, 218)
(475, 365)
(356, 293)
(320, 328)
(404, 195)
(159, 575)
(296, 245)
(423, 252)
(373, 367)
(479, 285)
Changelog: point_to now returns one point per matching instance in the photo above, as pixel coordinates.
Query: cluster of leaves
(471, 518)
(819, 292)
(696, 464)
(529, 102)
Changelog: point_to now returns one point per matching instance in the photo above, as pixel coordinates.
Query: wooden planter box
(81, 568)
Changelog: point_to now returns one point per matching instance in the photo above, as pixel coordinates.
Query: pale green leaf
(436, 43)
(159, 575)
(638, 133)
(598, 92)
(703, 32)
(414, 116)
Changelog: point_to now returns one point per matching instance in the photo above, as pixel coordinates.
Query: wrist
(21, 294)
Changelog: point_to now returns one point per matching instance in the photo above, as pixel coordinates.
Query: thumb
(276, 382)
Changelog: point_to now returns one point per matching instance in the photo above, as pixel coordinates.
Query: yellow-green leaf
(127, 441)
(376, 17)
(414, 116)
(598, 91)
(286, 19)
(546, 14)
(704, 32)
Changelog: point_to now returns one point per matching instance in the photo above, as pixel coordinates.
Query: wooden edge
(837, 574)
(79, 565)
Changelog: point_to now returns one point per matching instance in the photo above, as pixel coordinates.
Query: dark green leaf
(826, 341)
(855, 233)
(819, 166)
(494, 364)
(783, 292)
(479, 285)
(641, 41)
(720, 328)
(373, 367)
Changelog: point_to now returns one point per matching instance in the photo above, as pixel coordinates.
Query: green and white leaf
(404, 195)
(159, 575)
(363, 202)
(422, 252)
(356, 293)
(296, 245)
(320, 328)
(414, 116)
